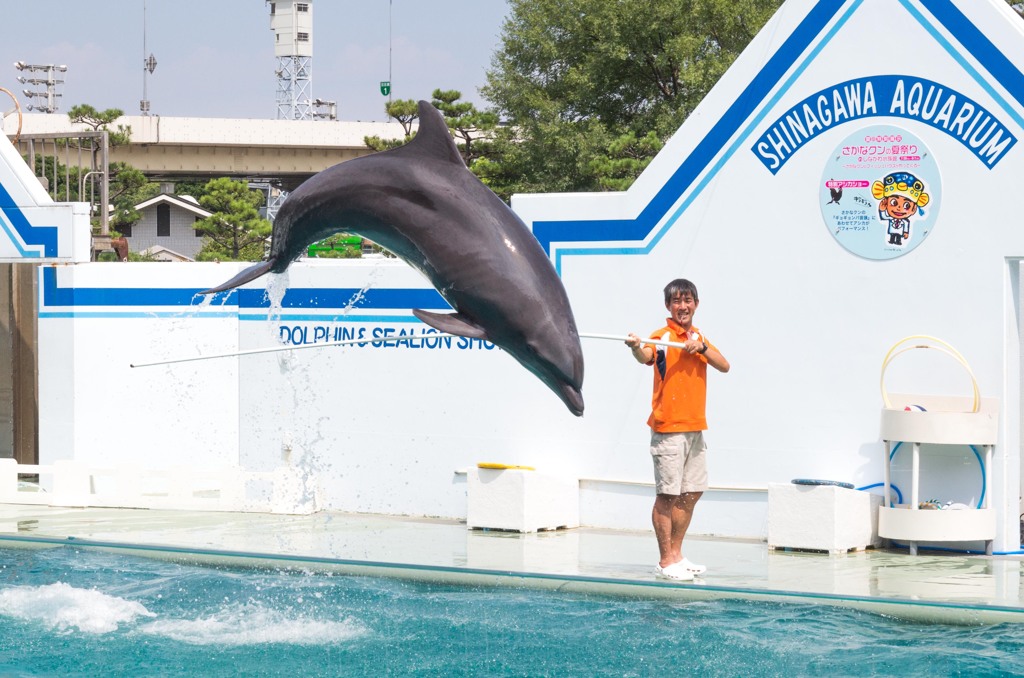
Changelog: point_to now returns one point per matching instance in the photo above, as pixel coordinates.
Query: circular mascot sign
(880, 192)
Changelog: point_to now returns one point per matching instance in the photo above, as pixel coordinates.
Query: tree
(471, 128)
(235, 231)
(626, 159)
(101, 120)
(194, 188)
(405, 111)
(574, 76)
(128, 187)
(466, 123)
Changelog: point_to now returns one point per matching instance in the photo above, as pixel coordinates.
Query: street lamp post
(49, 79)
(324, 110)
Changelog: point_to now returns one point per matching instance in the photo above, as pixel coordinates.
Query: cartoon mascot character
(900, 194)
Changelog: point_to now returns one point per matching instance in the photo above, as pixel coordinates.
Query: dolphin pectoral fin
(245, 276)
(452, 323)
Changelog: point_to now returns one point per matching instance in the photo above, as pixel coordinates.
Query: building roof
(183, 202)
(161, 253)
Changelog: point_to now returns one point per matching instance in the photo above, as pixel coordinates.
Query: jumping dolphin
(422, 203)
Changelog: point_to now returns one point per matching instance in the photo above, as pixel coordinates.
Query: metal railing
(70, 165)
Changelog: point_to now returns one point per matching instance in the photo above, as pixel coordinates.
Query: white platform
(821, 517)
(521, 500)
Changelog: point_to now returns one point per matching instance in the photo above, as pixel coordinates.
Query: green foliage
(235, 231)
(575, 76)
(128, 187)
(101, 120)
(195, 188)
(405, 112)
(338, 246)
(468, 125)
(472, 129)
(626, 158)
(139, 256)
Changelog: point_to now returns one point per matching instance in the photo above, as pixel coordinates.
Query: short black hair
(682, 287)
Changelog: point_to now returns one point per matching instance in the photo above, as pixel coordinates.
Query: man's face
(681, 308)
(899, 207)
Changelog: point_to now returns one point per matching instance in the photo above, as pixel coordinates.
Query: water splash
(66, 608)
(253, 624)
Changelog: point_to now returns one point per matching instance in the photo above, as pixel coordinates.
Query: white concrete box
(821, 517)
(521, 500)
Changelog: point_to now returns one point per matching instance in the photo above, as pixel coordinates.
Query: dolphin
(422, 203)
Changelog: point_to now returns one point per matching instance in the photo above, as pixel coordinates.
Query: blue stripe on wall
(319, 298)
(30, 235)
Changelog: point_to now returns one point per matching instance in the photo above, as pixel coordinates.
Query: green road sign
(385, 87)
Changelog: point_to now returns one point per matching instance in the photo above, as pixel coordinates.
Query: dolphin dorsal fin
(451, 323)
(433, 138)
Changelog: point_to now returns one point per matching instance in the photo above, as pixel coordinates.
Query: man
(677, 424)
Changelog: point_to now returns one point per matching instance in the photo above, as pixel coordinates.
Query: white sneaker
(692, 568)
(675, 572)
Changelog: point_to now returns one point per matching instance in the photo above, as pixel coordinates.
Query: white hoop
(16, 109)
(942, 347)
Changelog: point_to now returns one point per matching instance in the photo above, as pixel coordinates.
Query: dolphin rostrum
(421, 202)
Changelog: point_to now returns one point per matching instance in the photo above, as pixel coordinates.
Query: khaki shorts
(679, 462)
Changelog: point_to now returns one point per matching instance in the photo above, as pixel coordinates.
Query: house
(160, 253)
(168, 222)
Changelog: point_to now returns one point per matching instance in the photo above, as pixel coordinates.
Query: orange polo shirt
(681, 395)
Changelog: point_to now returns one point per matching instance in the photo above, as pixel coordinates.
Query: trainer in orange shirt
(677, 424)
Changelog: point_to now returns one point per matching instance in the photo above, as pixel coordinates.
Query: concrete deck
(945, 588)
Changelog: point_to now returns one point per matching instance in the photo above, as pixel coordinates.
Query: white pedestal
(521, 501)
(945, 420)
(821, 517)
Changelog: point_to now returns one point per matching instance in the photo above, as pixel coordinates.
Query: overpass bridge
(280, 151)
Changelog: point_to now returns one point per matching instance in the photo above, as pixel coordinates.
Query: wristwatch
(703, 348)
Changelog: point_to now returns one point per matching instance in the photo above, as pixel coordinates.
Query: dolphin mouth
(572, 398)
(245, 276)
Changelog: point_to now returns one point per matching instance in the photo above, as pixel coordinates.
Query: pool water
(84, 612)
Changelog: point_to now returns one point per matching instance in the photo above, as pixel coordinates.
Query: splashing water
(255, 624)
(62, 607)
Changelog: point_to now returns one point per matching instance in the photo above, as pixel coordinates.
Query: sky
(215, 58)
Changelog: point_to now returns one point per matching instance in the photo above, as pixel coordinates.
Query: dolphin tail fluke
(452, 323)
(245, 276)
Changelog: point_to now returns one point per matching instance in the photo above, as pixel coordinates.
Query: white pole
(615, 337)
(276, 349)
(349, 342)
